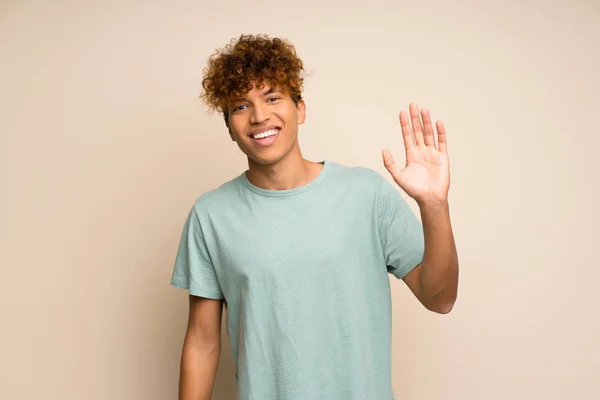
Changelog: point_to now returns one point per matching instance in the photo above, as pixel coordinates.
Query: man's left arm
(435, 281)
(426, 178)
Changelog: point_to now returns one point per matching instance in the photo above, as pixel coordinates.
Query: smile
(266, 138)
(266, 134)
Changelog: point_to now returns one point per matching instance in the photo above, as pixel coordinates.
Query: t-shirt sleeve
(193, 268)
(400, 232)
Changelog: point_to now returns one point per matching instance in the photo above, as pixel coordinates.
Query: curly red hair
(251, 60)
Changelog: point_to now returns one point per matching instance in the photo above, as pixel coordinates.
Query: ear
(301, 112)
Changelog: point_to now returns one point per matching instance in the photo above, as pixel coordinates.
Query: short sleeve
(193, 269)
(400, 232)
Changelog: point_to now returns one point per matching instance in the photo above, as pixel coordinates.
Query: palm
(426, 176)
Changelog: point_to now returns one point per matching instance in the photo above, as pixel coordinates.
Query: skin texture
(201, 349)
(281, 165)
(426, 178)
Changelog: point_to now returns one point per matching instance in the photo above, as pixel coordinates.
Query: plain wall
(105, 145)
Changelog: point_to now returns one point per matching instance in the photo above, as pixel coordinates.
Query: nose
(259, 114)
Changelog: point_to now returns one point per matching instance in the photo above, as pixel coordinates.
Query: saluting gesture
(426, 176)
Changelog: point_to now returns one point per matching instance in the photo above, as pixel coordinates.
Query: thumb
(390, 164)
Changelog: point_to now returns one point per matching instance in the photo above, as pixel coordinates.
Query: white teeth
(265, 134)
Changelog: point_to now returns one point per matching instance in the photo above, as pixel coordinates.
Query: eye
(239, 108)
(271, 99)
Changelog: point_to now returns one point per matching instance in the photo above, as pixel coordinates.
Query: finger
(416, 123)
(389, 163)
(407, 133)
(442, 141)
(428, 132)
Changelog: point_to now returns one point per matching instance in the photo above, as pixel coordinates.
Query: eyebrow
(265, 93)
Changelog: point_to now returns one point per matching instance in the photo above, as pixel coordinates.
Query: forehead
(263, 90)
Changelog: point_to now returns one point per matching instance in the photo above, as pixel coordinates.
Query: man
(299, 251)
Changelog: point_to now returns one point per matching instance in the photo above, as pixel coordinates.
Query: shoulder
(215, 199)
(357, 176)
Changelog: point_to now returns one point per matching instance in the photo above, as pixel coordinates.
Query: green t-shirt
(304, 274)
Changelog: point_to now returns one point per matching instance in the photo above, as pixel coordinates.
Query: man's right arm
(201, 349)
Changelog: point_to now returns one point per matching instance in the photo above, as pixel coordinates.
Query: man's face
(264, 123)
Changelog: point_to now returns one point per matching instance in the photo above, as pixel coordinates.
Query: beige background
(105, 145)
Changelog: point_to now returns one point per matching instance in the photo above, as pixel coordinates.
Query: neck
(291, 172)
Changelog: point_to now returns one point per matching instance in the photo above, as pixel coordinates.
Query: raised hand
(426, 176)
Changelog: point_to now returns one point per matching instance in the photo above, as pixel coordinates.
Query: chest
(273, 246)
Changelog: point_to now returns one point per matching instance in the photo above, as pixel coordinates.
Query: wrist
(432, 204)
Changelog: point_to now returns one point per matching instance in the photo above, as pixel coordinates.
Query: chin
(265, 160)
(268, 156)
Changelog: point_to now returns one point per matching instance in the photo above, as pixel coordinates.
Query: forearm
(439, 272)
(198, 371)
